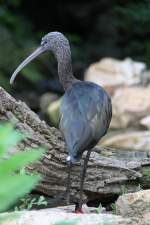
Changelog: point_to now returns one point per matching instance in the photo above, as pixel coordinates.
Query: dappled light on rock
(133, 140)
(65, 215)
(136, 206)
(130, 104)
(113, 73)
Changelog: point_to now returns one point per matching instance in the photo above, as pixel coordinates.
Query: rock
(53, 112)
(49, 105)
(145, 122)
(135, 205)
(46, 99)
(130, 105)
(112, 73)
(61, 216)
(133, 140)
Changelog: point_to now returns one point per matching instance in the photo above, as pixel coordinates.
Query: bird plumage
(85, 114)
(85, 111)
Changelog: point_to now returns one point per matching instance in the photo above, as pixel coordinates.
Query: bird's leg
(68, 183)
(82, 177)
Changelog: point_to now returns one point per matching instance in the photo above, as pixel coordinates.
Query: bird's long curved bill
(37, 52)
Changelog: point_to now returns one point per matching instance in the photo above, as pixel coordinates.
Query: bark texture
(109, 172)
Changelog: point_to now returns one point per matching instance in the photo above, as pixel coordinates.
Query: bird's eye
(43, 42)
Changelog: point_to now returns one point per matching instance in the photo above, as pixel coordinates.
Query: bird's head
(53, 41)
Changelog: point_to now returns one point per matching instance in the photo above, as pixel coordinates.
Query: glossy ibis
(85, 111)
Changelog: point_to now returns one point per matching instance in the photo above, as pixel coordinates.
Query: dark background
(95, 29)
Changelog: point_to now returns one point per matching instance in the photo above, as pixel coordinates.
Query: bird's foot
(79, 211)
(78, 208)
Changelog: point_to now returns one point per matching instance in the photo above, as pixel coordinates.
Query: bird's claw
(79, 211)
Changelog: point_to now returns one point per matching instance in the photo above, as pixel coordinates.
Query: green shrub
(13, 183)
(28, 202)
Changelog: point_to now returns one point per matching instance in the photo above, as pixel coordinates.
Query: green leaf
(20, 160)
(8, 137)
(13, 187)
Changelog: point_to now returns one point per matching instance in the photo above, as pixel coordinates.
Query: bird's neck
(66, 76)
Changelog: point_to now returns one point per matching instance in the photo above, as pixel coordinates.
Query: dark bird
(85, 111)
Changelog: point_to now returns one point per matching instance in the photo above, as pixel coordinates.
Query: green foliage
(99, 209)
(14, 21)
(124, 190)
(16, 38)
(135, 14)
(114, 208)
(118, 29)
(132, 21)
(71, 222)
(13, 183)
(28, 203)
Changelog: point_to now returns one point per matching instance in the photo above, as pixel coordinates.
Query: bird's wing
(83, 119)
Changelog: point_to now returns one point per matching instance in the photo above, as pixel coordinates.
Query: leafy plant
(28, 202)
(14, 184)
(132, 22)
(114, 209)
(99, 209)
(124, 189)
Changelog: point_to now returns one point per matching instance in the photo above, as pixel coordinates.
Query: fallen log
(110, 171)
